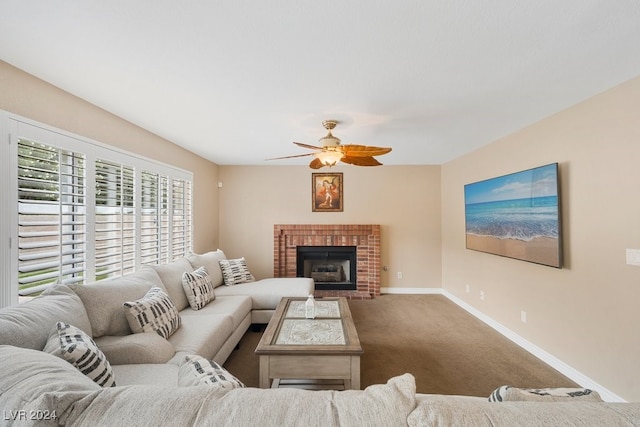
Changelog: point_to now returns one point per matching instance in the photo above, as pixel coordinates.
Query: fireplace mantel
(365, 237)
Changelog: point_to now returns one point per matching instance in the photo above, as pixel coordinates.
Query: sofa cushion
(143, 405)
(155, 312)
(378, 405)
(267, 293)
(235, 271)
(171, 276)
(161, 374)
(76, 347)
(236, 306)
(210, 261)
(28, 324)
(103, 300)
(203, 335)
(29, 374)
(198, 288)
(135, 349)
(473, 413)
(196, 370)
(507, 393)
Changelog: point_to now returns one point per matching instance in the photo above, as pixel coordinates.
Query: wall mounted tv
(516, 216)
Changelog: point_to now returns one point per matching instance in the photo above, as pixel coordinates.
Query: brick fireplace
(365, 237)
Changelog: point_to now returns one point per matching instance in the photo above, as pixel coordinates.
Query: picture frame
(517, 216)
(327, 192)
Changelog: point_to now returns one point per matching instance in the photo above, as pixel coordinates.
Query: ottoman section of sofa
(267, 293)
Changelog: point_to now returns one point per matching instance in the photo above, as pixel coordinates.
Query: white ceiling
(237, 81)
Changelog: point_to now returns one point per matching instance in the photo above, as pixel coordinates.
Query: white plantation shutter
(115, 219)
(180, 231)
(85, 211)
(154, 218)
(51, 216)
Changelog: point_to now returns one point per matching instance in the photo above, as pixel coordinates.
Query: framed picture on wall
(326, 192)
(517, 216)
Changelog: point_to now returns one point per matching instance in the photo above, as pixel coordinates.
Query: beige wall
(404, 200)
(585, 314)
(27, 96)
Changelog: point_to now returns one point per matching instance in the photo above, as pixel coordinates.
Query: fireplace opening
(330, 267)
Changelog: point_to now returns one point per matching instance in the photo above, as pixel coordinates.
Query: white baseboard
(541, 354)
(410, 290)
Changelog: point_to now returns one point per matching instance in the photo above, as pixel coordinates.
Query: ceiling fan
(330, 151)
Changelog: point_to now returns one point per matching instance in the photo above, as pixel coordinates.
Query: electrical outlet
(399, 274)
(468, 289)
(523, 316)
(481, 295)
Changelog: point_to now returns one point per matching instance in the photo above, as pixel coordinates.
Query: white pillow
(155, 312)
(235, 271)
(209, 260)
(196, 370)
(76, 347)
(198, 287)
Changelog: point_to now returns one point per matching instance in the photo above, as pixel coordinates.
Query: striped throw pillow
(196, 370)
(235, 271)
(198, 287)
(507, 393)
(76, 347)
(155, 312)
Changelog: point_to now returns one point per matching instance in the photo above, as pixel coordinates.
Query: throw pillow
(235, 271)
(155, 312)
(79, 349)
(198, 287)
(196, 370)
(507, 393)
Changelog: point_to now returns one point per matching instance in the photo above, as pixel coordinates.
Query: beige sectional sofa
(147, 358)
(40, 388)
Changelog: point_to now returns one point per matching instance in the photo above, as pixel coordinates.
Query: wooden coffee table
(310, 353)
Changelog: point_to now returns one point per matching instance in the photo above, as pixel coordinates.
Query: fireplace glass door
(331, 267)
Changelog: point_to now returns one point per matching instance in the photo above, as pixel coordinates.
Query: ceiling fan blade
(291, 157)
(316, 164)
(354, 150)
(312, 147)
(361, 161)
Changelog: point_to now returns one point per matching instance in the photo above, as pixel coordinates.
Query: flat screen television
(516, 216)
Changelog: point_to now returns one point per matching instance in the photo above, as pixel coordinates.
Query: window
(51, 216)
(115, 219)
(88, 212)
(154, 219)
(180, 217)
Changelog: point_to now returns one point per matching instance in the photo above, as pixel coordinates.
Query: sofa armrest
(135, 348)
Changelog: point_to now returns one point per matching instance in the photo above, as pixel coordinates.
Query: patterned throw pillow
(79, 349)
(507, 393)
(198, 287)
(155, 312)
(235, 271)
(196, 370)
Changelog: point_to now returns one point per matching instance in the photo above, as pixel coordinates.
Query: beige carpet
(447, 349)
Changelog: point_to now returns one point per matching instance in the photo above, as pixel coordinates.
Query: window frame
(16, 128)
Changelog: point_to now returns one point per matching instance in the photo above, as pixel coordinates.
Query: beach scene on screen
(516, 216)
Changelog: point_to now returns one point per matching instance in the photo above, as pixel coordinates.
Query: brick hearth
(365, 237)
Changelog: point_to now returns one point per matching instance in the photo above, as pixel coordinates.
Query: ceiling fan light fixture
(330, 157)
